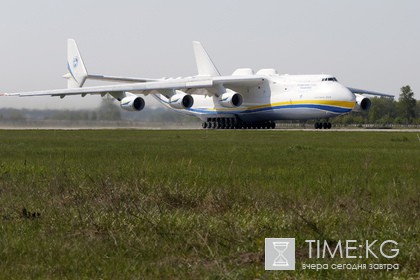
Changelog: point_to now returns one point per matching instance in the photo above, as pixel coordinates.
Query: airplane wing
(194, 85)
(361, 91)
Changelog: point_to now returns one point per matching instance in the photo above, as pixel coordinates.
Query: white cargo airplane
(242, 100)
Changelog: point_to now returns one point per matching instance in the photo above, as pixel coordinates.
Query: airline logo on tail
(75, 61)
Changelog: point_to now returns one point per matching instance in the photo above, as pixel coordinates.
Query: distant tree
(407, 105)
(61, 115)
(84, 115)
(344, 120)
(418, 112)
(17, 115)
(383, 111)
(108, 110)
(93, 116)
(358, 119)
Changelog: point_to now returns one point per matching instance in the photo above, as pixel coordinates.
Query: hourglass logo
(279, 254)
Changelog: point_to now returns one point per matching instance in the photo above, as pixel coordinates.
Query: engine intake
(181, 100)
(362, 103)
(132, 103)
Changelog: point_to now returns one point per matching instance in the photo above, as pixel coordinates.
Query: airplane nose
(339, 92)
(347, 95)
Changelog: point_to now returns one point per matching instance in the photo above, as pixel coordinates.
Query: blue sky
(372, 45)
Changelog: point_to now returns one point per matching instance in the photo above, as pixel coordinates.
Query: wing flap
(119, 79)
(239, 81)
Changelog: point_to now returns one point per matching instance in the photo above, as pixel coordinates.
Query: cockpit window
(332, 79)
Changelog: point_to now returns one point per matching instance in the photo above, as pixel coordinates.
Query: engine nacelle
(181, 100)
(362, 103)
(230, 99)
(132, 103)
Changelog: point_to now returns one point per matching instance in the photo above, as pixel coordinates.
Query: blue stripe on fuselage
(338, 110)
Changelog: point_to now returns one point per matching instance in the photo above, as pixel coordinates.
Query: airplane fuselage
(279, 97)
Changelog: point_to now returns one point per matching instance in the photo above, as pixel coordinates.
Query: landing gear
(323, 125)
(233, 123)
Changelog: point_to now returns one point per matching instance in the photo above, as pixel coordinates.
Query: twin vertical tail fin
(77, 74)
(205, 65)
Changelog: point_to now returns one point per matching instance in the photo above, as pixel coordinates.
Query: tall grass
(198, 204)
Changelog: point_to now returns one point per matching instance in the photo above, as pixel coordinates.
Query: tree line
(387, 111)
(108, 110)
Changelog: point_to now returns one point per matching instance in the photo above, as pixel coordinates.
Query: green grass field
(118, 204)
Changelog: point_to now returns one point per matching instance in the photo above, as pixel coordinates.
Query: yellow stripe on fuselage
(335, 103)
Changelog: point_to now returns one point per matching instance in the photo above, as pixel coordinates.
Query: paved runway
(199, 128)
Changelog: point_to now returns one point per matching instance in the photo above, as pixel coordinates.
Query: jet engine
(362, 103)
(132, 103)
(231, 99)
(181, 100)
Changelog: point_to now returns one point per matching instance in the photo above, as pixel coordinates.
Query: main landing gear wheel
(325, 125)
(232, 123)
